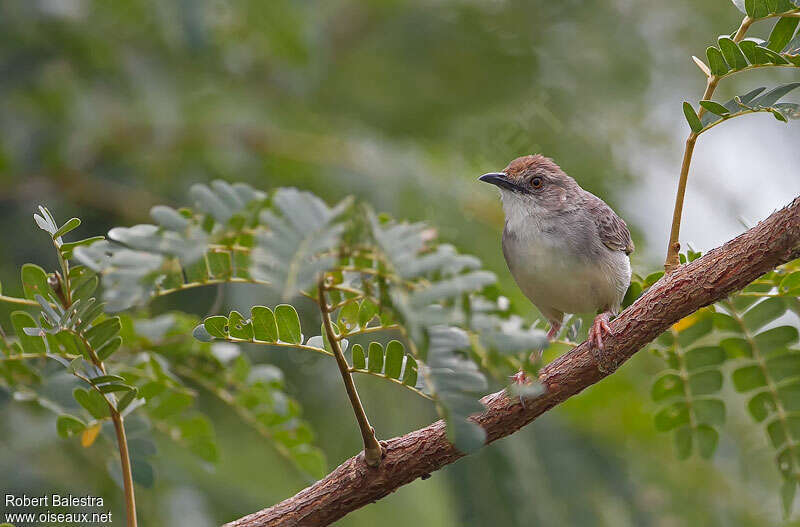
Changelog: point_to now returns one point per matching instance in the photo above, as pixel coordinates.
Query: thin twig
(673, 249)
(373, 452)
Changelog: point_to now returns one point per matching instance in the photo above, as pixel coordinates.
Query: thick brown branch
(726, 269)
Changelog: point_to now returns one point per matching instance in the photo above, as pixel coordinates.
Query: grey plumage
(567, 250)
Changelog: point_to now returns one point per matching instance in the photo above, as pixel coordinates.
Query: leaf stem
(390, 379)
(373, 451)
(365, 331)
(122, 441)
(19, 301)
(127, 474)
(673, 248)
(304, 347)
(772, 389)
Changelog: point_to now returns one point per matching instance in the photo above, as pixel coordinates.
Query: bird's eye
(536, 182)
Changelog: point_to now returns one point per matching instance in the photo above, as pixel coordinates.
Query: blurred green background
(107, 108)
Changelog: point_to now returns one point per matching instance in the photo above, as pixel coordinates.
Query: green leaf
(86, 288)
(777, 433)
(264, 326)
(311, 460)
(782, 33)
(789, 396)
(763, 313)
(359, 360)
(69, 425)
(748, 47)
(756, 8)
(239, 327)
(201, 333)
(788, 493)
(142, 473)
(219, 264)
(705, 382)
(348, 316)
(683, 442)
(703, 357)
(34, 281)
(652, 278)
(666, 386)
(410, 372)
(103, 379)
(775, 338)
(672, 416)
(216, 326)
(302, 233)
(702, 325)
(172, 404)
(67, 248)
(375, 361)
(707, 439)
(774, 95)
(740, 5)
(709, 411)
(452, 287)
(115, 387)
(692, 118)
(103, 332)
(784, 366)
(92, 401)
(30, 344)
(733, 55)
(109, 348)
(288, 324)
(169, 218)
(369, 309)
(767, 56)
(70, 225)
(716, 61)
(748, 378)
(715, 108)
(126, 400)
(394, 359)
(46, 222)
(736, 347)
(761, 405)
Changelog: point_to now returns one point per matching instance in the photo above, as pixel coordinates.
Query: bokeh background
(107, 108)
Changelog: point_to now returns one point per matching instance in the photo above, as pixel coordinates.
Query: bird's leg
(599, 329)
(520, 377)
(555, 327)
(597, 332)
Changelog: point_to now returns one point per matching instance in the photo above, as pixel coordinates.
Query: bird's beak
(499, 179)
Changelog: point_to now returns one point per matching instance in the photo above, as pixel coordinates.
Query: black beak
(499, 179)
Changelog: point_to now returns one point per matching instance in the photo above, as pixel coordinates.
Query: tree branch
(708, 279)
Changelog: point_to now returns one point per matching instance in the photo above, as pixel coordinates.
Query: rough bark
(725, 269)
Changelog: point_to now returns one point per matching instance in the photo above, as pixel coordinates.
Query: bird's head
(533, 185)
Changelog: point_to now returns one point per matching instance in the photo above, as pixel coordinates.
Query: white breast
(564, 267)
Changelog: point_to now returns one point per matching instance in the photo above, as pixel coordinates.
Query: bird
(567, 250)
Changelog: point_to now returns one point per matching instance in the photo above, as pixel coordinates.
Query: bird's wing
(612, 229)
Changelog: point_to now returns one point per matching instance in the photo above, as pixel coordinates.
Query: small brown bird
(567, 250)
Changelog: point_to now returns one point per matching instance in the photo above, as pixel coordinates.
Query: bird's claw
(520, 378)
(600, 329)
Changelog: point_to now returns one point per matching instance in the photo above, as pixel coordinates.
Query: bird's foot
(520, 378)
(597, 332)
(553, 332)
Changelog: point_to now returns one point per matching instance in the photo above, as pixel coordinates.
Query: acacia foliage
(403, 307)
